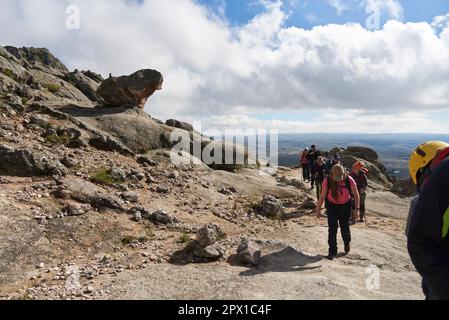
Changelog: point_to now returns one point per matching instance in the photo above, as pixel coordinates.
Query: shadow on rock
(286, 260)
(77, 111)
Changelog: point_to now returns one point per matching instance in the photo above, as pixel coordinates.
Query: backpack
(347, 185)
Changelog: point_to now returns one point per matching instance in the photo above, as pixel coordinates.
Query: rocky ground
(93, 207)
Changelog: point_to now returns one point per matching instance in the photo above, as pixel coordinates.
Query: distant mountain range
(394, 149)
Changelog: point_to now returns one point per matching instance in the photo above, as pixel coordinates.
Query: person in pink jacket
(338, 191)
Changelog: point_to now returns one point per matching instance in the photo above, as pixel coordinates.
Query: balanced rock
(133, 90)
(209, 234)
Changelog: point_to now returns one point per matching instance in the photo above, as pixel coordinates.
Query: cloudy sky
(370, 66)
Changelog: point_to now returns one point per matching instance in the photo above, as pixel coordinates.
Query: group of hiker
(344, 196)
(342, 192)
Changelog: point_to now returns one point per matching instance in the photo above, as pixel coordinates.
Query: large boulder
(227, 156)
(209, 234)
(375, 173)
(249, 253)
(27, 163)
(356, 151)
(272, 207)
(131, 127)
(88, 193)
(132, 90)
(362, 152)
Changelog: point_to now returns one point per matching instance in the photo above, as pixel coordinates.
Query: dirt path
(291, 268)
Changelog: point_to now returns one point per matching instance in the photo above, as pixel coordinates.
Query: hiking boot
(331, 256)
(347, 248)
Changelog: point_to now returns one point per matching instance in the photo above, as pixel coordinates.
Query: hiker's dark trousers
(306, 172)
(338, 215)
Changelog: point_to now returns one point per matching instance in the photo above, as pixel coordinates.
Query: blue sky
(240, 11)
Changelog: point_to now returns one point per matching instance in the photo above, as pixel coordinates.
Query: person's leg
(319, 184)
(333, 228)
(344, 216)
(362, 206)
(304, 172)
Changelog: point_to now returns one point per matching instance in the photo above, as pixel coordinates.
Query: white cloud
(213, 69)
(392, 7)
(335, 122)
(339, 6)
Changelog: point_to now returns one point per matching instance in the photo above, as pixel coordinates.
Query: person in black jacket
(320, 175)
(428, 227)
(312, 157)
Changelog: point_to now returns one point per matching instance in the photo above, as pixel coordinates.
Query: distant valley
(393, 149)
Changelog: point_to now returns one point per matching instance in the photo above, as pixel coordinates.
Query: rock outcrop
(132, 90)
(350, 155)
(404, 187)
(86, 193)
(87, 85)
(26, 163)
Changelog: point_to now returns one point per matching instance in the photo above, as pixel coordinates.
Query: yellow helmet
(423, 155)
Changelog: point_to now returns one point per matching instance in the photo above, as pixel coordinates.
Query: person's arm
(427, 244)
(365, 182)
(322, 199)
(356, 196)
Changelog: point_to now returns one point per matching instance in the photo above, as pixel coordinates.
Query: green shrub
(9, 73)
(25, 101)
(184, 238)
(141, 239)
(55, 139)
(52, 87)
(103, 176)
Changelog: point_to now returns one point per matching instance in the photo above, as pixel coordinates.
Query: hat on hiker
(358, 165)
(338, 172)
(423, 156)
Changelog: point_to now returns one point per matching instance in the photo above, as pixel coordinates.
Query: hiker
(320, 174)
(428, 224)
(359, 174)
(338, 190)
(305, 165)
(332, 162)
(312, 156)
